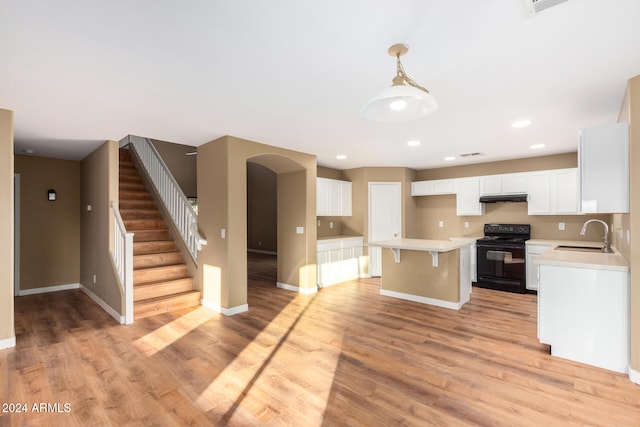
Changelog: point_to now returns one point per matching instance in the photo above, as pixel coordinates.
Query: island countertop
(421, 244)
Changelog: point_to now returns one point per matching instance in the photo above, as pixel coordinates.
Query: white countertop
(421, 244)
(576, 259)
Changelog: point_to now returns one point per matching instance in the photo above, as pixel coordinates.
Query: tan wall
(262, 208)
(7, 332)
(182, 167)
(558, 161)
(49, 230)
(630, 112)
(99, 188)
(222, 204)
(416, 275)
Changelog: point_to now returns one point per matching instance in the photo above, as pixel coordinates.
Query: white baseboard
(304, 291)
(8, 343)
(226, 311)
(48, 289)
(106, 307)
(422, 300)
(634, 376)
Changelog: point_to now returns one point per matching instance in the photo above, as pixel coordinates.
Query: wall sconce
(51, 195)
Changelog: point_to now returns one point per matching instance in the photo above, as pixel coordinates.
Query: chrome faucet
(607, 243)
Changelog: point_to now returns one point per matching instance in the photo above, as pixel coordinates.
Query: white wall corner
(7, 343)
(106, 307)
(304, 291)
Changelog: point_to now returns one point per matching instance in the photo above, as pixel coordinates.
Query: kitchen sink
(578, 248)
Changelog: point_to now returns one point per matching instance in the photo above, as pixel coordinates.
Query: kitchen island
(432, 272)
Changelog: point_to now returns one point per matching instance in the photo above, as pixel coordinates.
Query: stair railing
(122, 255)
(182, 213)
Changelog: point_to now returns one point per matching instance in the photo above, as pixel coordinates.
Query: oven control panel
(493, 229)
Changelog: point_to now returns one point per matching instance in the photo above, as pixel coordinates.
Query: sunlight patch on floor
(168, 334)
(260, 373)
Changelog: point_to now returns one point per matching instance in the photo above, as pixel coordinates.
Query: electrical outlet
(318, 223)
(466, 224)
(223, 233)
(561, 226)
(441, 224)
(330, 224)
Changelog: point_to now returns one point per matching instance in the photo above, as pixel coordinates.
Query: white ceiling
(295, 74)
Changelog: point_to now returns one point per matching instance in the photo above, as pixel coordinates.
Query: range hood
(504, 198)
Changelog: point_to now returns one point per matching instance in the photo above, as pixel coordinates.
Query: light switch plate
(299, 230)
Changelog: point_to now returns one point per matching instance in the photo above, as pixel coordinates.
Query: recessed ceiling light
(536, 146)
(449, 158)
(521, 123)
(413, 143)
(341, 156)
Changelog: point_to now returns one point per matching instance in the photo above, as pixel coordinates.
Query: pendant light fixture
(405, 100)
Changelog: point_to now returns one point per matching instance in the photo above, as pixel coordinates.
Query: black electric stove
(501, 257)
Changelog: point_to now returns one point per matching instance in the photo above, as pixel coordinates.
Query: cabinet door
(604, 169)
(490, 185)
(532, 269)
(322, 258)
(335, 197)
(567, 194)
(345, 198)
(467, 197)
(539, 190)
(422, 188)
(514, 183)
(322, 197)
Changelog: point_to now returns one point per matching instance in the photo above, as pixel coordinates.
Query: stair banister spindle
(181, 212)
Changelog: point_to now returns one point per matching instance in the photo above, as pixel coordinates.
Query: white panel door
(385, 220)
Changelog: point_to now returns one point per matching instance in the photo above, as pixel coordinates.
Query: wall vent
(537, 6)
(470, 154)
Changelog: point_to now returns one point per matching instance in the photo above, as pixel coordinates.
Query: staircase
(160, 279)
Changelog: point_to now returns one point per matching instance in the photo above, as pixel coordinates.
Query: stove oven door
(503, 265)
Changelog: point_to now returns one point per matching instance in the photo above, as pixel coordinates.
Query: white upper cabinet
(468, 197)
(553, 192)
(511, 183)
(603, 156)
(433, 187)
(333, 197)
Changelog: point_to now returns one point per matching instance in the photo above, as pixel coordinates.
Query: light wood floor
(345, 356)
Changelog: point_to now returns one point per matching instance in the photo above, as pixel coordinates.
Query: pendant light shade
(405, 100)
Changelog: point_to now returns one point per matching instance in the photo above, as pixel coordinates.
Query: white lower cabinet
(583, 314)
(338, 260)
(533, 250)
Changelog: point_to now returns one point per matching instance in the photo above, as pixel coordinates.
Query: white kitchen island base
(583, 314)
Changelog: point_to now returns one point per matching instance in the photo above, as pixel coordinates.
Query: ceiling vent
(470, 154)
(537, 6)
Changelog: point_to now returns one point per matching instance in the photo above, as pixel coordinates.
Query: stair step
(143, 248)
(140, 214)
(156, 260)
(157, 274)
(151, 235)
(135, 195)
(137, 204)
(144, 224)
(130, 178)
(132, 186)
(160, 305)
(161, 289)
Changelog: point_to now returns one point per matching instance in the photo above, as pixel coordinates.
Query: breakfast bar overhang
(434, 272)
